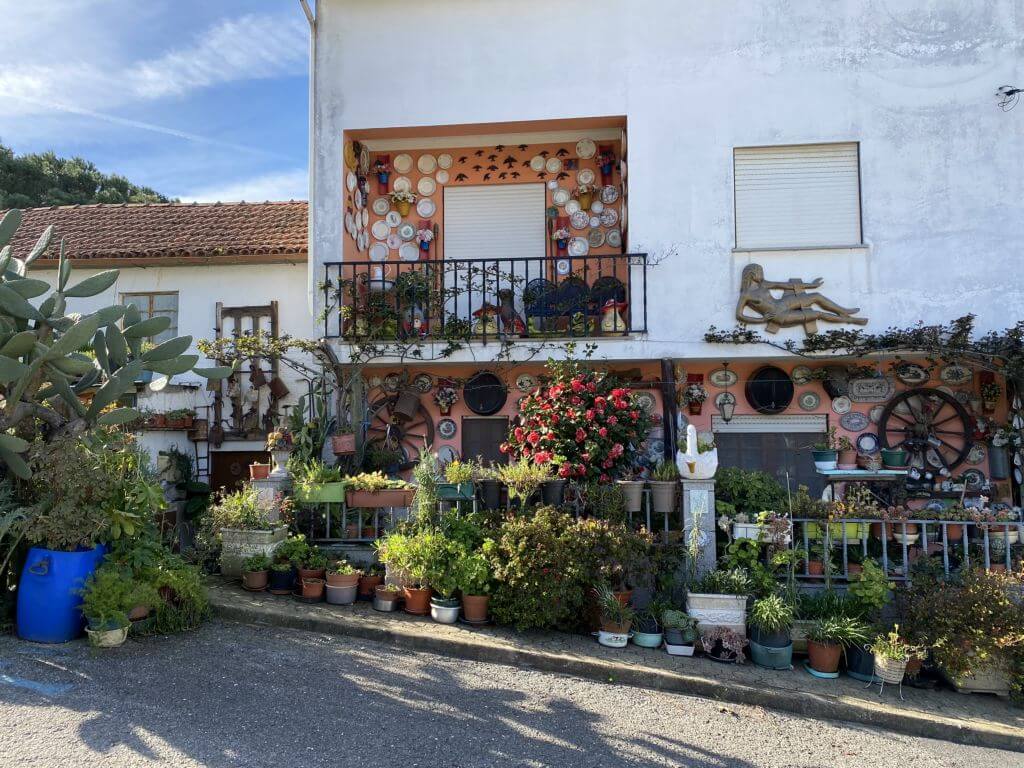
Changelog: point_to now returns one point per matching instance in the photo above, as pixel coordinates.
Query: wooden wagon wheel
(407, 437)
(930, 420)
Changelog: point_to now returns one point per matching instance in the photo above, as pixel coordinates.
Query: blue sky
(199, 99)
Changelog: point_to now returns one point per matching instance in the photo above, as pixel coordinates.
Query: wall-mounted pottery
(722, 377)
(801, 374)
(424, 382)
(392, 382)
(553, 165)
(380, 230)
(875, 414)
(573, 206)
(585, 149)
(609, 218)
(563, 266)
(425, 207)
(912, 374)
(609, 194)
(525, 382)
(867, 443)
(446, 455)
(441, 177)
(586, 176)
(870, 390)
(447, 428)
(409, 252)
(381, 206)
(426, 164)
(406, 231)
(977, 454)
(809, 401)
(426, 186)
(854, 421)
(402, 184)
(403, 163)
(560, 196)
(841, 405)
(537, 163)
(614, 238)
(956, 374)
(644, 401)
(444, 161)
(393, 218)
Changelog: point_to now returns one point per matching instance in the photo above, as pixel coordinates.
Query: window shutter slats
(494, 222)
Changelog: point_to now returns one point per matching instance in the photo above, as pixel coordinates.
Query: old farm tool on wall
(931, 425)
(386, 431)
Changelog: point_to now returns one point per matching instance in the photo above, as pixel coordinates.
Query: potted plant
(180, 418)
(694, 395)
(723, 645)
(106, 599)
(313, 589)
(258, 471)
(281, 579)
(255, 573)
(445, 397)
(825, 452)
(343, 441)
(444, 558)
(410, 555)
(489, 481)
(616, 619)
(827, 639)
(279, 446)
(314, 564)
(891, 653)
(475, 581)
(664, 483)
(771, 621)
(458, 485)
(402, 200)
(386, 597)
(382, 168)
(561, 237)
(523, 478)
(369, 581)
(632, 492)
(242, 520)
(584, 194)
(374, 490)
(719, 599)
(990, 394)
(342, 583)
(648, 633)
(313, 482)
(894, 458)
(425, 236)
(847, 454)
(680, 632)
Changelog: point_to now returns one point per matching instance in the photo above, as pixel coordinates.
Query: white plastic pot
(679, 650)
(729, 611)
(443, 613)
(107, 638)
(613, 639)
(341, 595)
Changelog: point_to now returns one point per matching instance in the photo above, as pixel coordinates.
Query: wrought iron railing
(485, 299)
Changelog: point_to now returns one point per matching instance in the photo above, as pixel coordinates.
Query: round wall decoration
(485, 394)
(808, 401)
(801, 374)
(723, 377)
(447, 428)
(769, 390)
(854, 421)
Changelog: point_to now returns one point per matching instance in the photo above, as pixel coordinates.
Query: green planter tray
(455, 491)
(328, 493)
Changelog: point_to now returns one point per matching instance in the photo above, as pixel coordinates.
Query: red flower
(533, 438)
(575, 400)
(555, 418)
(504, 447)
(564, 471)
(591, 387)
(590, 414)
(577, 385)
(518, 433)
(604, 478)
(613, 420)
(619, 392)
(599, 402)
(603, 432)
(542, 457)
(580, 435)
(634, 415)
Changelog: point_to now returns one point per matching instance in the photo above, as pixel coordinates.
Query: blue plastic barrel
(49, 606)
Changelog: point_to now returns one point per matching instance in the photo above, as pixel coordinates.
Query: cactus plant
(49, 358)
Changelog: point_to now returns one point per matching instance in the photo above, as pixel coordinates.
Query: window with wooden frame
(163, 304)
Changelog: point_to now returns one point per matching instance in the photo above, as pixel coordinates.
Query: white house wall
(913, 82)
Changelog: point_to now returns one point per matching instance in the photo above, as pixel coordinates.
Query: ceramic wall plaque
(870, 390)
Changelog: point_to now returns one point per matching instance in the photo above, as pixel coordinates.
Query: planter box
(328, 493)
(995, 678)
(854, 531)
(455, 491)
(238, 545)
(399, 497)
(679, 650)
(729, 611)
(342, 445)
(755, 532)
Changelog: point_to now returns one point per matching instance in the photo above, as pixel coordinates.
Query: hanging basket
(342, 445)
(407, 404)
(278, 389)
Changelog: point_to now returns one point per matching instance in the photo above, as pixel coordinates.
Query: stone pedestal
(270, 489)
(699, 510)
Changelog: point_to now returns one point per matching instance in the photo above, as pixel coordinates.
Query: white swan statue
(694, 465)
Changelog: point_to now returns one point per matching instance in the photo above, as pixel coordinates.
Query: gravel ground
(234, 695)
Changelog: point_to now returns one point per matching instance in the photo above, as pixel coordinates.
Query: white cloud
(285, 185)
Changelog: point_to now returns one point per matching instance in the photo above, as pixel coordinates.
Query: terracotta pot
(397, 497)
(342, 445)
(914, 665)
(417, 601)
(367, 584)
(824, 658)
(343, 580)
(848, 458)
(278, 389)
(259, 471)
(474, 607)
(616, 629)
(381, 592)
(139, 612)
(695, 408)
(593, 607)
(313, 588)
(815, 567)
(954, 532)
(854, 569)
(255, 581)
(880, 529)
(312, 573)
(157, 421)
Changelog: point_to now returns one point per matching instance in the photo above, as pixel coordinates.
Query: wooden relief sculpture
(793, 307)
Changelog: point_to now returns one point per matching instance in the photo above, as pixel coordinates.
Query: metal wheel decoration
(931, 422)
(406, 437)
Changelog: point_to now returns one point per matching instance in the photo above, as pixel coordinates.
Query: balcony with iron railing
(484, 300)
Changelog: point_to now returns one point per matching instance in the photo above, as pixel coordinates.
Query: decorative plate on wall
(447, 428)
(614, 238)
(426, 186)
(426, 208)
(956, 374)
(409, 252)
(446, 455)
(563, 266)
(560, 196)
(350, 181)
(586, 176)
(573, 206)
(609, 194)
(525, 382)
(974, 479)
(579, 220)
(585, 149)
(870, 390)
(597, 207)
(553, 165)
(381, 206)
(911, 373)
(442, 177)
(402, 184)
(402, 163)
(393, 218)
(485, 394)
(809, 401)
(610, 217)
(854, 421)
(842, 405)
(595, 221)
(424, 382)
(406, 231)
(378, 252)
(722, 378)
(537, 163)
(392, 381)
(801, 374)
(426, 163)
(444, 161)
(769, 390)
(645, 401)
(867, 443)
(380, 230)
(875, 414)
(977, 454)
(596, 238)
(579, 246)
(394, 241)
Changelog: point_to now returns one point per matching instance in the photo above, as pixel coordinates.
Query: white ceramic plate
(402, 163)
(364, 218)
(610, 217)
(393, 218)
(409, 252)
(561, 196)
(380, 230)
(596, 238)
(402, 184)
(426, 186)
(537, 162)
(406, 231)
(841, 405)
(597, 207)
(579, 246)
(359, 198)
(586, 176)
(867, 443)
(442, 177)
(447, 428)
(427, 163)
(585, 149)
(595, 221)
(563, 266)
(809, 401)
(579, 220)
(722, 378)
(956, 374)
(363, 240)
(572, 207)
(381, 206)
(350, 181)
(553, 185)
(444, 161)
(394, 241)
(426, 208)
(350, 223)
(609, 194)
(525, 382)
(553, 165)
(614, 238)
(378, 252)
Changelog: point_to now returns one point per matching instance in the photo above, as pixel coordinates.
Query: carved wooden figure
(793, 307)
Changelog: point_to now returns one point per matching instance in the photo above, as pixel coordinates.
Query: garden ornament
(794, 307)
(694, 465)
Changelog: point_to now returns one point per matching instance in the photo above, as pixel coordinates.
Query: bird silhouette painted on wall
(523, 147)
(487, 177)
(463, 159)
(526, 164)
(562, 152)
(563, 175)
(509, 161)
(542, 175)
(500, 148)
(492, 158)
(479, 153)
(492, 167)
(502, 175)
(478, 168)
(514, 174)
(543, 153)
(461, 177)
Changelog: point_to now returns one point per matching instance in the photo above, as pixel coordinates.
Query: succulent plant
(50, 358)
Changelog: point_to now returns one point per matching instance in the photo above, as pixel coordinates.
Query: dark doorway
(483, 437)
(229, 469)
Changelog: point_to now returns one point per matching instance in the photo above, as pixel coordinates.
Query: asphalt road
(233, 695)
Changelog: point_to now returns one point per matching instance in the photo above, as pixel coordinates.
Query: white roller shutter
(494, 222)
(798, 196)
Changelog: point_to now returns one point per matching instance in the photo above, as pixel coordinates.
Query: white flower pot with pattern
(729, 611)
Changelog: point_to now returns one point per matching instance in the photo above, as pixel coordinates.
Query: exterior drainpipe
(668, 408)
(311, 276)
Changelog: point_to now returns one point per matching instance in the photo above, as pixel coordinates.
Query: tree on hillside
(30, 181)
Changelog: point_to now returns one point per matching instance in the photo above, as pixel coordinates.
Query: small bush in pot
(107, 597)
(293, 550)
(523, 478)
(476, 581)
(648, 630)
(664, 484)
(771, 620)
(724, 645)
(313, 564)
(281, 579)
(680, 629)
(255, 573)
(616, 618)
(891, 653)
(827, 639)
(343, 574)
(719, 598)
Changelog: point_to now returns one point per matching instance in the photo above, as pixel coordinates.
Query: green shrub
(256, 563)
(292, 550)
(749, 491)
(107, 597)
(719, 582)
(771, 614)
(241, 510)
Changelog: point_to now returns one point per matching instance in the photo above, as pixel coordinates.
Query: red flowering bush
(582, 423)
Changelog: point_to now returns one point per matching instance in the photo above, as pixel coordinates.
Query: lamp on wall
(726, 401)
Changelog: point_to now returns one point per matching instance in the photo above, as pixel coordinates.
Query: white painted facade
(912, 82)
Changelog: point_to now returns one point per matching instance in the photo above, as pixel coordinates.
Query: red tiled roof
(169, 230)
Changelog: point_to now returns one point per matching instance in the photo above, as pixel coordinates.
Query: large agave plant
(45, 363)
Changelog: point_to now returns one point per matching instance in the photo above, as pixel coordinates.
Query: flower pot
(254, 581)
(854, 569)
(860, 663)
(1009, 537)
(313, 589)
(825, 461)
(824, 657)
(878, 530)
(847, 459)
(382, 182)
(854, 531)
(386, 601)
(869, 461)
(341, 595)
(663, 496)
(107, 638)
(259, 471)
(278, 388)
(407, 404)
(490, 493)
(954, 532)
(417, 601)
(905, 534)
(444, 611)
(721, 655)
(633, 494)
(238, 545)
(606, 173)
(675, 636)
(772, 657)
(612, 639)
(894, 458)
(684, 649)
(694, 407)
(890, 670)
(992, 678)
(342, 445)
(815, 568)
(312, 573)
(391, 497)
(455, 491)
(585, 200)
(368, 583)
(914, 664)
(648, 639)
(779, 639)
(474, 608)
(281, 582)
(553, 492)
(729, 611)
(325, 493)
(344, 579)
(403, 207)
